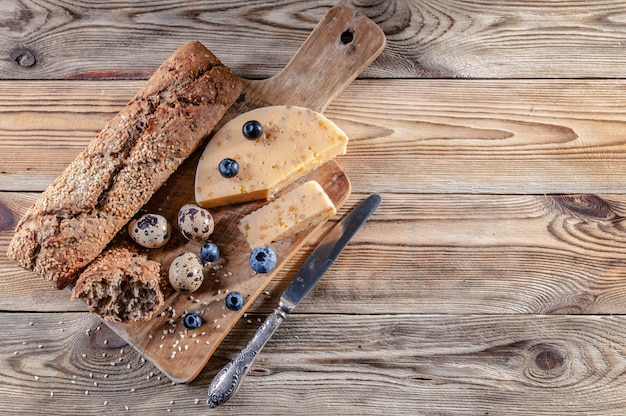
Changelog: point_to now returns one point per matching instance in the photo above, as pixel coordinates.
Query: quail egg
(185, 273)
(195, 223)
(150, 230)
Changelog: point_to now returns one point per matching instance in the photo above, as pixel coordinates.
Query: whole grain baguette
(121, 285)
(82, 210)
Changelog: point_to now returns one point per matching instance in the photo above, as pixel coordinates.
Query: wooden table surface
(492, 280)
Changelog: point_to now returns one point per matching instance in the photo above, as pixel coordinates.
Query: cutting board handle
(340, 47)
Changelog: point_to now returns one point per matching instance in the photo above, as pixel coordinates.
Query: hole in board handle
(347, 36)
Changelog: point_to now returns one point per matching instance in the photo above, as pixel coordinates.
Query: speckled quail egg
(185, 273)
(195, 223)
(150, 230)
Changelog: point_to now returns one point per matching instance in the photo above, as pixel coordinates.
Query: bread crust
(99, 192)
(121, 285)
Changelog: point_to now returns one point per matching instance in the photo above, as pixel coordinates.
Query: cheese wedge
(294, 141)
(297, 210)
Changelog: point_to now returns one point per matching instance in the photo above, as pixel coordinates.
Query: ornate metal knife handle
(227, 381)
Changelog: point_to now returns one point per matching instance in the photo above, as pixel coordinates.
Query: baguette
(82, 210)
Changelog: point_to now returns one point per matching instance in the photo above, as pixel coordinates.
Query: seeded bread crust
(121, 285)
(84, 208)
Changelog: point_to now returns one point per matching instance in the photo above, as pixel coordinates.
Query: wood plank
(431, 364)
(427, 38)
(427, 253)
(444, 136)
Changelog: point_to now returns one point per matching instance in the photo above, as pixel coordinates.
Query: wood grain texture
(443, 136)
(445, 254)
(491, 279)
(128, 39)
(505, 365)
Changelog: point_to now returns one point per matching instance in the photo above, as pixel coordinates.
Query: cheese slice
(297, 210)
(295, 140)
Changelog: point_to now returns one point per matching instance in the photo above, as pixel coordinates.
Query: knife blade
(227, 381)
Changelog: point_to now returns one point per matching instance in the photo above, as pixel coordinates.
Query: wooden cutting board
(342, 44)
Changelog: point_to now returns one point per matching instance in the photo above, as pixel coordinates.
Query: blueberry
(228, 167)
(262, 259)
(209, 252)
(234, 301)
(252, 130)
(192, 320)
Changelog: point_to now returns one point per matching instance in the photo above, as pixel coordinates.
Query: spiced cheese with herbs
(258, 153)
(299, 209)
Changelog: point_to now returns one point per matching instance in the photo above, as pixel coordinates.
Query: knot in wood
(24, 57)
(586, 206)
(7, 221)
(548, 359)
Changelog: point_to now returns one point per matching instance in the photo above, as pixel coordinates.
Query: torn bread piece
(121, 285)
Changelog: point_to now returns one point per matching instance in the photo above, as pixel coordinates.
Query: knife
(227, 381)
